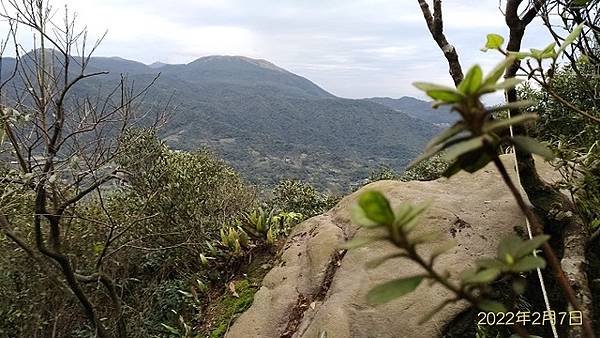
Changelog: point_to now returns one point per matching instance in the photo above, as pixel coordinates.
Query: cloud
(392, 51)
(353, 48)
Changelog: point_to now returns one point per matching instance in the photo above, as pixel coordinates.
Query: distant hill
(157, 65)
(246, 75)
(418, 109)
(268, 122)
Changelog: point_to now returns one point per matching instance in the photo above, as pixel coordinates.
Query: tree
(297, 196)
(435, 23)
(184, 197)
(543, 197)
(60, 147)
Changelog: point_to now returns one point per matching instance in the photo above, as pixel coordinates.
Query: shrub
(187, 196)
(572, 135)
(300, 197)
(161, 215)
(427, 170)
(382, 174)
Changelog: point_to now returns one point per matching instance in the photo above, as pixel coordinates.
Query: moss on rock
(227, 306)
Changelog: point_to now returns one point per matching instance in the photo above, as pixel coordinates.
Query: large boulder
(319, 288)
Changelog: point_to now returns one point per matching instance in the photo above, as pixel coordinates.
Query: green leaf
(491, 306)
(376, 207)
(401, 211)
(359, 218)
(408, 219)
(571, 38)
(211, 249)
(501, 124)
(391, 290)
(429, 152)
(445, 96)
(536, 53)
(487, 262)
(509, 245)
(472, 81)
(520, 55)
(473, 161)
(463, 147)
(170, 329)
(440, 93)
(452, 169)
(506, 84)
(549, 52)
(425, 155)
(437, 104)
(427, 86)
(498, 71)
(360, 242)
(372, 264)
(494, 41)
(484, 276)
(549, 48)
(532, 146)
(270, 236)
(203, 260)
(447, 134)
(527, 247)
(97, 248)
(469, 273)
(443, 248)
(528, 263)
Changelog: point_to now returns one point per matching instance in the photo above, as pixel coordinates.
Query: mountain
(269, 123)
(418, 109)
(157, 65)
(117, 65)
(249, 75)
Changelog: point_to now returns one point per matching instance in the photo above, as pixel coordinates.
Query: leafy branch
(469, 145)
(538, 56)
(514, 257)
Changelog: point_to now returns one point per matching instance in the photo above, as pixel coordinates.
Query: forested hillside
(271, 124)
(266, 122)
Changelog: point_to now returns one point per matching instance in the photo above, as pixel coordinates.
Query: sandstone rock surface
(318, 288)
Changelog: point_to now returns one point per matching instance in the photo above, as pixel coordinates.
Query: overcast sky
(352, 48)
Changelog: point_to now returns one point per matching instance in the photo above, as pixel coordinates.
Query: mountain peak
(236, 59)
(157, 64)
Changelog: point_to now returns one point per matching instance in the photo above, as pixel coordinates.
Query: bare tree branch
(435, 23)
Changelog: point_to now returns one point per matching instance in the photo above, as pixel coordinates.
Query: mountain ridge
(270, 123)
(420, 109)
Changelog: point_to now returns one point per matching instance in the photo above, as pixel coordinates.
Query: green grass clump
(228, 306)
